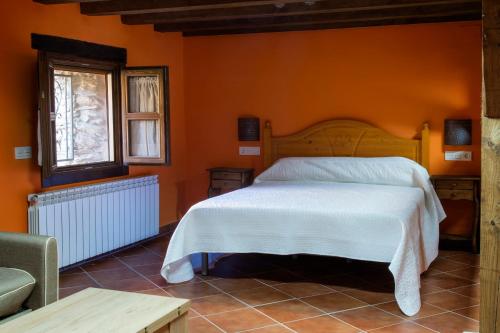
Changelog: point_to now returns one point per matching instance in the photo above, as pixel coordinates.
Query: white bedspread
(328, 206)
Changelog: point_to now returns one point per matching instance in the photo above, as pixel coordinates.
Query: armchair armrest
(38, 256)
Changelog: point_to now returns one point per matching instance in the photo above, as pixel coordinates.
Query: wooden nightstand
(461, 188)
(223, 180)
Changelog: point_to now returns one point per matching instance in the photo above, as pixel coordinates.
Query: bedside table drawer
(226, 184)
(226, 175)
(447, 194)
(455, 184)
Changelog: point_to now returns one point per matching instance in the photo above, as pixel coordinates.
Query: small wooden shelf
(223, 180)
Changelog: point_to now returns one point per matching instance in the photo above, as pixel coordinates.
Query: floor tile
(192, 313)
(159, 280)
(103, 264)
(466, 258)
(65, 292)
(271, 329)
(449, 253)
(472, 291)
(144, 259)
(406, 327)
(192, 290)
(425, 310)
(133, 284)
(448, 300)
(334, 302)
(449, 323)
(158, 248)
(240, 320)
(148, 269)
(446, 265)
(324, 324)
(113, 275)
(303, 289)
(201, 325)
(228, 285)
(471, 312)
(427, 288)
(156, 292)
(368, 318)
(289, 310)
(468, 273)
(76, 280)
(260, 296)
(446, 281)
(371, 296)
(216, 304)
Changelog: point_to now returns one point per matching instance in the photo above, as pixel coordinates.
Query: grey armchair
(29, 276)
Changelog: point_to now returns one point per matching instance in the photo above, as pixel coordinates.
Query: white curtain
(144, 138)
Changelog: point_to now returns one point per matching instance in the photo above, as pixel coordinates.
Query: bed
(340, 188)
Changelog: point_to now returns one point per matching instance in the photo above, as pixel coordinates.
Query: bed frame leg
(204, 264)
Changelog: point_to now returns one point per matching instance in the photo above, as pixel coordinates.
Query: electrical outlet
(22, 153)
(458, 156)
(253, 151)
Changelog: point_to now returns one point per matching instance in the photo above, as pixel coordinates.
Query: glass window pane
(84, 117)
(143, 94)
(144, 138)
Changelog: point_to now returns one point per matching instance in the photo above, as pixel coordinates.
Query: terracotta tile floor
(280, 294)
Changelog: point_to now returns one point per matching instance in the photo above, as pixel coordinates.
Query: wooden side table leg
(204, 264)
(180, 325)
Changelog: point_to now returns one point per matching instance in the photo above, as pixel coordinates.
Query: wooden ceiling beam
(470, 11)
(54, 2)
(329, 25)
(124, 7)
(319, 7)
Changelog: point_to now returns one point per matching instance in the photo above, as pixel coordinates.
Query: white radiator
(94, 219)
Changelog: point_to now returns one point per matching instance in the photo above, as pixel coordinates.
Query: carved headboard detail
(344, 138)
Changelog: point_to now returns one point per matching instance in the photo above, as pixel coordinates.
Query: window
(96, 116)
(83, 107)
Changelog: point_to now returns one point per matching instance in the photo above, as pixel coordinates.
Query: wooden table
(103, 311)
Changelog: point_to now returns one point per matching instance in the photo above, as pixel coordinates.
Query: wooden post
(490, 172)
(267, 143)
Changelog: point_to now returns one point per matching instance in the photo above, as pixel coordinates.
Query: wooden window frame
(52, 174)
(163, 117)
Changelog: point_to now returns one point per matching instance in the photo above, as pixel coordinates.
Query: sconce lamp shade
(457, 132)
(248, 129)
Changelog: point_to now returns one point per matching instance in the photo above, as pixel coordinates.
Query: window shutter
(145, 115)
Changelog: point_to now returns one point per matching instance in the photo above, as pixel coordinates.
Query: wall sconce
(248, 129)
(457, 132)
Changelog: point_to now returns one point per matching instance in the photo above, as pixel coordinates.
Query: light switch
(22, 153)
(254, 151)
(458, 156)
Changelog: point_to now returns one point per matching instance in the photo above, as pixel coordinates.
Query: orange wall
(18, 95)
(395, 77)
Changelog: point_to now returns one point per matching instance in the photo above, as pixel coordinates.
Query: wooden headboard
(344, 138)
